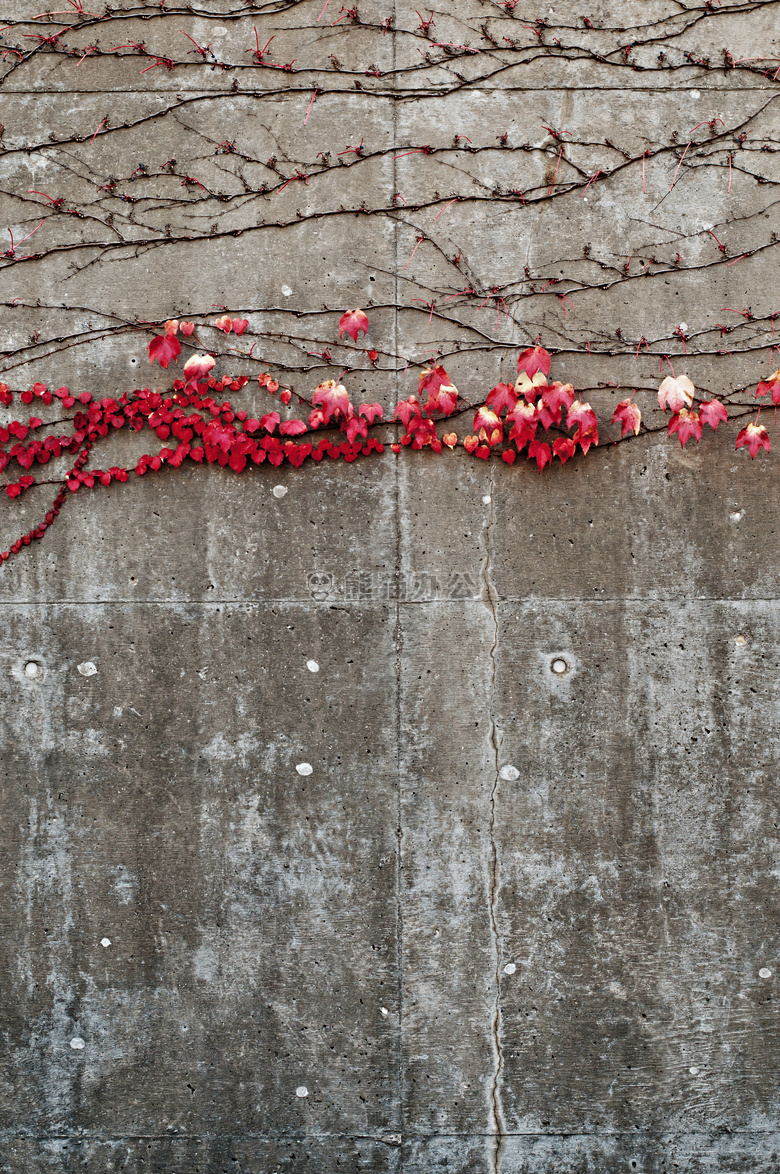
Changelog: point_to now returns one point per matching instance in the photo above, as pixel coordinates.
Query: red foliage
(204, 430)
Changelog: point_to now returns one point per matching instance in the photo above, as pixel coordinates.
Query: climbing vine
(532, 417)
(446, 134)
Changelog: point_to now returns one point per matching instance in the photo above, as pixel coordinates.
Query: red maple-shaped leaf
(445, 401)
(352, 322)
(333, 397)
(555, 397)
(675, 393)
(586, 437)
(470, 443)
(450, 439)
(686, 424)
(224, 323)
(423, 431)
(431, 379)
(628, 414)
(539, 452)
(269, 421)
(534, 359)
(371, 411)
(486, 418)
(770, 386)
(197, 367)
(524, 419)
(755, 436)
(503, 395)
(713, 412)
(583, 416)
(163, 348)
(355, 426)
(406, 409)
(564, 447)
(292, 427)
(530, 387)
(240, 325)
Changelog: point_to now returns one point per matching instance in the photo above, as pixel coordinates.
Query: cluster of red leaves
(511, 412)
(195, 426)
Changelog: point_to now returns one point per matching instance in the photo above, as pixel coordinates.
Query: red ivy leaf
(628, 414)
(564, 448)
(352, 322)
(333, 397)
(713, 412)
(370, 411)
(755, 436)
(163, 349)
(540, 452)
(502, 396)
(686, 424)
(534, 359)
(291, 427)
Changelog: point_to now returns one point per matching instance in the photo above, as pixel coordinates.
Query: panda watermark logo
(321, 585)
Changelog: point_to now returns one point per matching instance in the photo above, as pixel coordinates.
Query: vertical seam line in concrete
(496, 1108)
(398, 641)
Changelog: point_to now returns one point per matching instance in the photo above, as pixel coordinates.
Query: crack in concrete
(490, 597)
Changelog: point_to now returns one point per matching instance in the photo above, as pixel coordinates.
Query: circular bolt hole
(32, 669)
(559, 666)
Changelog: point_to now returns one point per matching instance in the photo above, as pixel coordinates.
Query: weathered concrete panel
(513, 920)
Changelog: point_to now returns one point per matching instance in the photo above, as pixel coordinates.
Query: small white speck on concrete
(105, 942)
(694, 1071)
(312, 666)
(32, 669)
(383, 1011)
(77, 1043)
(87, 668)
(736, 516)
(509, 773)
(559, 666)
(510, 968)
(706, 1027)
(287, 291)
(301, 1091)
(486, 499)
(279, 491)
(695, 94)
(683, 326)
(219, 31)
(305, 768)
(740, 639)
(117, 711)
(765, 972)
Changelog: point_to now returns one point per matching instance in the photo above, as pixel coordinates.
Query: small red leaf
(163, 349)
(352, 322)
(755, 436)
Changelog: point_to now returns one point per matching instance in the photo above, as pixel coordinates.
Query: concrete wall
(513, 921)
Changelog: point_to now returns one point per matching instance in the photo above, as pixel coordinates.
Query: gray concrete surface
(513, 922)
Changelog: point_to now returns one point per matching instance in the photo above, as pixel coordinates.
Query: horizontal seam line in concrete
(639, 1135)
(341, 605)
